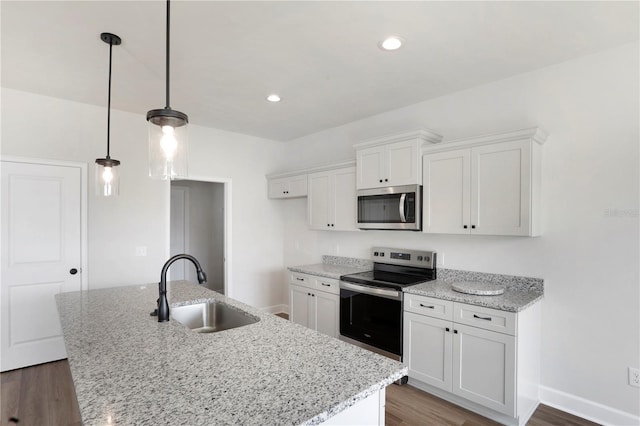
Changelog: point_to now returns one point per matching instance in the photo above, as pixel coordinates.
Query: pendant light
(167, 134)
(107, 179)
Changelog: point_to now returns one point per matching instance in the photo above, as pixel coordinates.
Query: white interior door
(41, 211)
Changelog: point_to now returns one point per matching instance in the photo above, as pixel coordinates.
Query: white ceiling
(321, 57)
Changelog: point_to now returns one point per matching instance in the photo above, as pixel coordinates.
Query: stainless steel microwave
(394, 207)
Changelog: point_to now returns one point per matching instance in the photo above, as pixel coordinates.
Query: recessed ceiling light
(273, 98)
(391, 43)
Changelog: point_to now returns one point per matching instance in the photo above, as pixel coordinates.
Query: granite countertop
(327, 270)
(519, 293)
(129, 369)
(334, 267)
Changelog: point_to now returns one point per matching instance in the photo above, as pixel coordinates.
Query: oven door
(396, 207)
(372, 316)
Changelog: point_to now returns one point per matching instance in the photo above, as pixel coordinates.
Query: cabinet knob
(380, 180)
(447, 329)
(73, 271)
(455, 331)
(473, 227)
(465, 226)
(386, 180)
(333, 224)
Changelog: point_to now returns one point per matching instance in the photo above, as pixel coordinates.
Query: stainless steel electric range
(371, 303)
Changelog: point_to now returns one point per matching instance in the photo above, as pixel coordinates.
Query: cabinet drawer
(302, 279)
(328, 285)
(430, 306)
(486, 318)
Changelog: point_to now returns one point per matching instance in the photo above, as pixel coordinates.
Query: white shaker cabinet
(332, 200)
(484, 186)
(288, 187)
(315, 303)
(393, 160)
(484, 359)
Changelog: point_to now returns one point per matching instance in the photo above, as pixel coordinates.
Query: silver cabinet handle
(299, 279)
(326, 285)
(482, 318)
(426, 306)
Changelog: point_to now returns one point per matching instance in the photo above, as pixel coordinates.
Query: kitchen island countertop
(129, 369)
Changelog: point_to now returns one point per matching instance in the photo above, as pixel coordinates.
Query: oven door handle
(372, 291)
(403, 216)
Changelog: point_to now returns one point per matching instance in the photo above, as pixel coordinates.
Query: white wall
(587, 257)
(43, 127)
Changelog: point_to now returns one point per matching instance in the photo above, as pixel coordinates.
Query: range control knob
(419, 258)
(426, 258)
(375, 253)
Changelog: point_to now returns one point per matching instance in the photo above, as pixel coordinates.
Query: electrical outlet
(634, 377)
(440, 259)
(141, 251)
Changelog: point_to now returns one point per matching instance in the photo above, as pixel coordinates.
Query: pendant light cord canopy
(106, 179)
(167, 130)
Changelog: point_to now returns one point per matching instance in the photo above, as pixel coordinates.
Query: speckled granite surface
(334, 267)
(129, 369)
(520, 292)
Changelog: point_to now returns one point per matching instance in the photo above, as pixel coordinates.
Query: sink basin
(211, 317)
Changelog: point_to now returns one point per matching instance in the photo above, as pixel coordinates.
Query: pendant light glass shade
(107, 171)
(168, 138)
(107, 177)
(168, 144)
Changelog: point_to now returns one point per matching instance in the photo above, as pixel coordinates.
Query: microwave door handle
(403, 199)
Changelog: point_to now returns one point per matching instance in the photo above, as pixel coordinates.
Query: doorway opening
(199, 226)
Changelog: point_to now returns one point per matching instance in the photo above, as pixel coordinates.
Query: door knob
(73, 271)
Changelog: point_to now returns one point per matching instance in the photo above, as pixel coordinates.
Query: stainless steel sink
(211, 317)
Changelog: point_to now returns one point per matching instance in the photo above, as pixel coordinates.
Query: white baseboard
(586, 409)
(276, 309)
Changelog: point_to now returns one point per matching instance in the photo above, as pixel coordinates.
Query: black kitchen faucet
(163, 305)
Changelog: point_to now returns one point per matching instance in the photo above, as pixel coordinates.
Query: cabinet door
(370, 167)
(446, 192)
(327, 311)
(344, 206)
(501, 189)
(297, 186)
(402, 163)
(278, 188)
(299, 305)
(484, 368)
(318, 201)
(427, 349)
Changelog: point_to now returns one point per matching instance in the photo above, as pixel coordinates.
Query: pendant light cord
(167, 56)
(109, 100)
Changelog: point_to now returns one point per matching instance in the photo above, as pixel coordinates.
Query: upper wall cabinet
(488, 185)
(331, 204)
(288, 186)
(392, 160)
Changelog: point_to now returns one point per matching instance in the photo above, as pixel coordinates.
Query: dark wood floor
(42, 395)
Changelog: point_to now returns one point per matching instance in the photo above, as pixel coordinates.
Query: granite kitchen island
(129, 369)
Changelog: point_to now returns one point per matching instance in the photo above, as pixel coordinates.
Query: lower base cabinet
(483, 359)
(315, 303)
